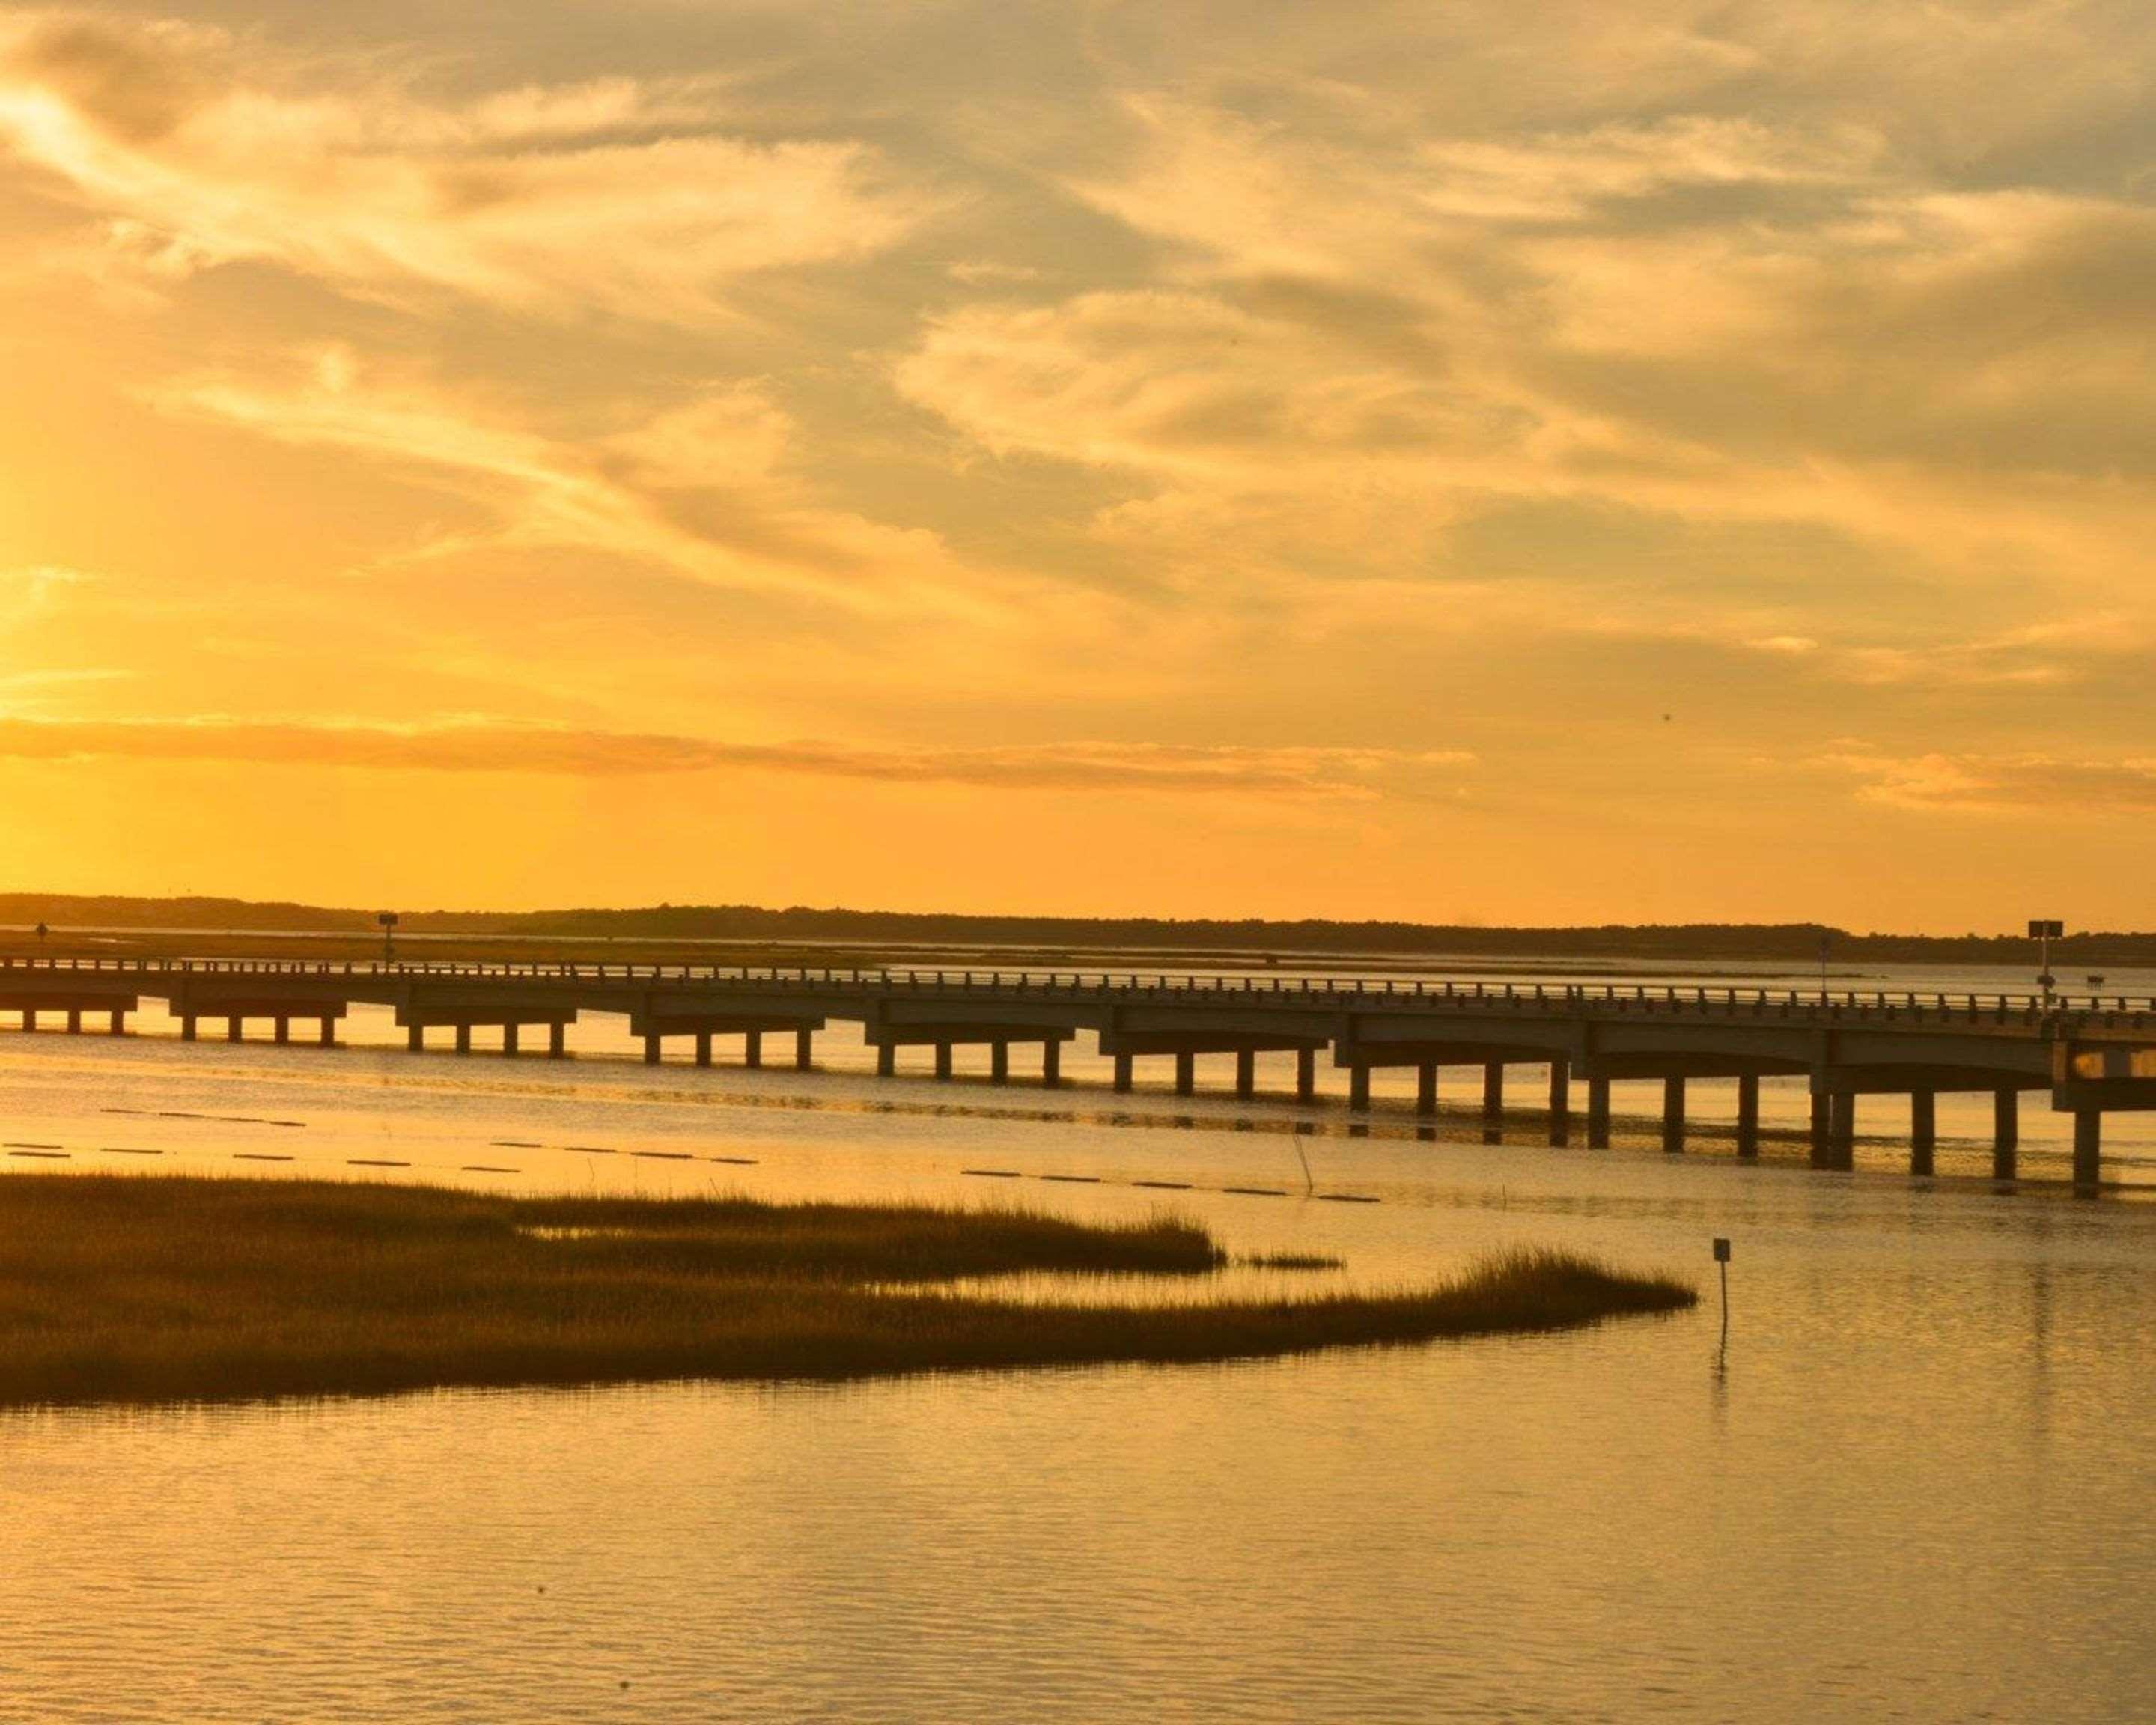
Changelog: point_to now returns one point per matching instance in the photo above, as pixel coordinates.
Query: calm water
(1918, 1484)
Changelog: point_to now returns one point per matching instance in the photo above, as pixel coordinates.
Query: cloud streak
(485, 747)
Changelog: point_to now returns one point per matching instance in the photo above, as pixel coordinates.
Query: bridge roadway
(2093, 1054)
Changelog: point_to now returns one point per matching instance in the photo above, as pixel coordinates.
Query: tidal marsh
(125, 1289)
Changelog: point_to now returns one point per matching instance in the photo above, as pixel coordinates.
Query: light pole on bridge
(387, 919)
(2044, 933)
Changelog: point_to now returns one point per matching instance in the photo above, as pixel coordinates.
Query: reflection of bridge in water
(2091, 1054)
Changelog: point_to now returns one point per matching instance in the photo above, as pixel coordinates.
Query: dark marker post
(1722, 1258)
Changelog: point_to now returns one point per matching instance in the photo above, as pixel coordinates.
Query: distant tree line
(1785, 941)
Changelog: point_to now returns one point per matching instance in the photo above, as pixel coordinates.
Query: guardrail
(1362, 994)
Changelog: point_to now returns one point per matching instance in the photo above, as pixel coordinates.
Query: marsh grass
(131, 1289)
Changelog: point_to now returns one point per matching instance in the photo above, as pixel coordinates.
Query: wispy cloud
(481, 746)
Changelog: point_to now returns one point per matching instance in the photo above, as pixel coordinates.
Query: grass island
(146, 1289)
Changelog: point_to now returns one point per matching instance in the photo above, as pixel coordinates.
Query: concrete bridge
(2092, 1055)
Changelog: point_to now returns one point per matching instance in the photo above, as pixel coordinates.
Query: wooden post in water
(1560, 1101)
(2005, 1134)
(1748, 1115)
(1923, 1132)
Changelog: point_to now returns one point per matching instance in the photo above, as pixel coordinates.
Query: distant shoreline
(892, 936)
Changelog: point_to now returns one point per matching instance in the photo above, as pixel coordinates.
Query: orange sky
(1574, 462)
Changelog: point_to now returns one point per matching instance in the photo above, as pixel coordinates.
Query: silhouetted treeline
(1789, 941)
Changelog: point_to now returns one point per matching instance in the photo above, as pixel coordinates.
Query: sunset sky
(1570, 462)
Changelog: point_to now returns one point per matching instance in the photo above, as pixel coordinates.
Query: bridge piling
(753, 1051)
(651, 1050)
(1246, 1074)
(887, 1061)
(1597, 1114)
(1186, 1073)
(119, 1022)
(328, 1031)
(1923, 1132)
(30, 1018)
(999, 1063)
(1358, 1087)
(557, 1040)
(75, 1021)
(804, 1045)
(1673, 1116)
(1842, 1131)
(415, 1036)
(282, 1030)
(1306, 1075)
(1822, 1148)
(1493, 1091)
(2088, 1150)
(703, 1048)
(1426, 1088)
(1051, 1063)
(509, 1041)
(1748, 1117)
(944, 1060)
(2005, 1134)
(1560, 1102)
(1122, 1075)
(464, 1037)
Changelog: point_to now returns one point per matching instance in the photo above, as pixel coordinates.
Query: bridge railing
(1351, 992)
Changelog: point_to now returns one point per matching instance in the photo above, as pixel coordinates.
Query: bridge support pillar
(1051, 1063)
(1306, 1075)
(1123, 1074)
(75, 1021)
(1493, 1090)
(415, 1037)
(1822, 1130)
(886, 1061)
(463, 1038)
(328, 1034)
(284, 1030)
(2088, 1150)
(942, 1059)
(30, 1018)
(753, 1051)
(703, 1048)
(1923, 1131)
(234, 1028)
(557, 1041)
(1597, 1114)
(1560, 1101)
(119, 1021)
(1186, 1073)
(509, 1041)
(1358, 1087)
(1842, 1131)
(1748, 1117)
(804, 1050)
(1426, 1088)
(650, 1050)
(1246, 1074)
(1673, 1116)
(999, 1063)
(2005, 1134)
